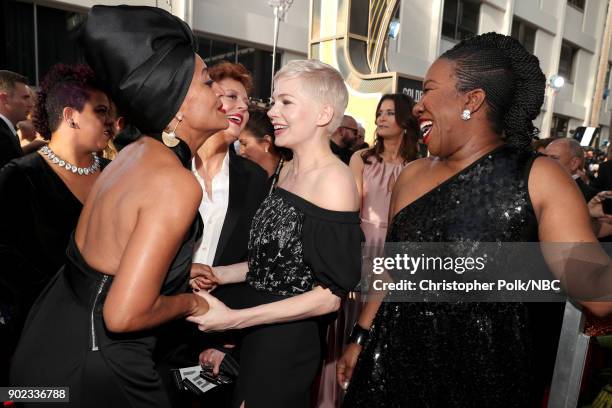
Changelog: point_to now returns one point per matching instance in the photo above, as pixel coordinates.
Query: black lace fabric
(295, 245)
(276, 255)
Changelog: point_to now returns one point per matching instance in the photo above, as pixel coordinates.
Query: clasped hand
(596, 207)
(218, 317)
(203, 277)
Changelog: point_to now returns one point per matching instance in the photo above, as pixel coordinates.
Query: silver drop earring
(466, 114)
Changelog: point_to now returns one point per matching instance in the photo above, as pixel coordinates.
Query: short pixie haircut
(322, 81)
(237, 72)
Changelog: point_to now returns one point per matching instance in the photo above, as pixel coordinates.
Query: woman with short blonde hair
(304, 247)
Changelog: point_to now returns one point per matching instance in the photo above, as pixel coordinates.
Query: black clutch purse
(199, 379)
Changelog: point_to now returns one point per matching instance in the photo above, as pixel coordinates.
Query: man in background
(15, 103)
(343, 138)
(570, 155)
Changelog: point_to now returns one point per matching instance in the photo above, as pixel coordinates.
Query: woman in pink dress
(375, 169)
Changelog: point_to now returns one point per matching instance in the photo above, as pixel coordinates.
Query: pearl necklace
(82, 171)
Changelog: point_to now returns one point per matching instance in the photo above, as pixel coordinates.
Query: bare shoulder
(413, 170)
(356, 156)
(548, 179)
(173, 189)
(356, 163)
(547, 176)
(336, 189)
(409, 185)
(545, 166)
(360, 151)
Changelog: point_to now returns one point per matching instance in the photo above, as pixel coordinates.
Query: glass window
(460, 19)
(56, 44)
(559, 126)
(566, 61)
(449, 18)
(257, 61)
(215, 51)
(17, 38)
(524, 33)
(579, 4)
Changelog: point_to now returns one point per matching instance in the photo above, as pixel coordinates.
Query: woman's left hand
(212, 358)
(595, 205)
(218, 318)
(202, 277)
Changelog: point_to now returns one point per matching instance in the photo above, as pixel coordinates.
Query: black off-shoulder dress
(294, 246)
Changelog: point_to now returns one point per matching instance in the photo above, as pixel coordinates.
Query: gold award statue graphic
(353, 36)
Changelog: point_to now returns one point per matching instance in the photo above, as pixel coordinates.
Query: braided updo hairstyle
(63, 86)
(511, 77)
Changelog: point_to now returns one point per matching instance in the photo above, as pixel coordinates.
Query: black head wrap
(146, 58)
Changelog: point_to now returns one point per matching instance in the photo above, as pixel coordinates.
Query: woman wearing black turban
(481, 184)
(127, 269)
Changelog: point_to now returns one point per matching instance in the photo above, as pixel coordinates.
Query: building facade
(35, 34)
(566, 36)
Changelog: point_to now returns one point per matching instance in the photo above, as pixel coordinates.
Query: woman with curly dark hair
(43, 192)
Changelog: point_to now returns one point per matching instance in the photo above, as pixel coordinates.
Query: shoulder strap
(276, 174)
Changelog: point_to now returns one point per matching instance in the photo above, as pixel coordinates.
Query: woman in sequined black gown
(484, 187)
(304, 248)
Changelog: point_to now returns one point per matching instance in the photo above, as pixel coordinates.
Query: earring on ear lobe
(466, 114)
(170, 139)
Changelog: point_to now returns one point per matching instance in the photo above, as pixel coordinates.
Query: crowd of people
(151, 220)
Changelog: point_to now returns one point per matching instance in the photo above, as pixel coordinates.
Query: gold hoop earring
(170, 139)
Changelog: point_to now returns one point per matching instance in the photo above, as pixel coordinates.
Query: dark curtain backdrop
(55, 42)
(17, 38)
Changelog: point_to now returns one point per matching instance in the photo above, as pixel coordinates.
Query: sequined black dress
(470, 354)
(293, 246)
(66, 343)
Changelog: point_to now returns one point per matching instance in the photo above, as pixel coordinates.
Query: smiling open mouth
(426, 126)
(237, 119)
(279, 128)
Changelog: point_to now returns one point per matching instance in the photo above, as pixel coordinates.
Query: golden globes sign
(352, 36)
